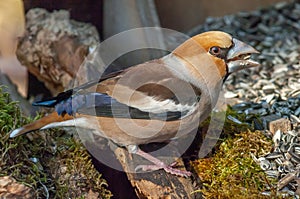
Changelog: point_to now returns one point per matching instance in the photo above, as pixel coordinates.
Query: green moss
(76, 174)
(230, 171)
(53, 151)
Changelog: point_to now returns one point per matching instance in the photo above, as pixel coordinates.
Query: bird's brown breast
(125, 131)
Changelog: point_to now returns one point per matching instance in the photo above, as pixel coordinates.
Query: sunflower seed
(274, 88)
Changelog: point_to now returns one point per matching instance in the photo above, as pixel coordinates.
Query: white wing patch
(150, 104)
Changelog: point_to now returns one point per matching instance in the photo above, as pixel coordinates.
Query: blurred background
(111, 17)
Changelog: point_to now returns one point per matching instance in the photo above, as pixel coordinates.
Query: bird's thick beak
(238, 57)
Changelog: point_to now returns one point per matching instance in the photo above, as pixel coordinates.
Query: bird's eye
(215, 50)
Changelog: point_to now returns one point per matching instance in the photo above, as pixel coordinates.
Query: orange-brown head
(227, 53)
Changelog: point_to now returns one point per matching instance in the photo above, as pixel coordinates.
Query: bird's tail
(41, 123)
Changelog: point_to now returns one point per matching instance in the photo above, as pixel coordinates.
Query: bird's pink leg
(158, 164)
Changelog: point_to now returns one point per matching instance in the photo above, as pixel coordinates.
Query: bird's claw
(177, 172)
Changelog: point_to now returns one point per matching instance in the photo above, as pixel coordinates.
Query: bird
(155, 101)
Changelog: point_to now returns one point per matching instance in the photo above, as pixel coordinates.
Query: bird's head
(228, 54)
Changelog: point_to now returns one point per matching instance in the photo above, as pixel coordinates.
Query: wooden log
(155, 184)
(55, 46)
(11, 189)
(111, 160)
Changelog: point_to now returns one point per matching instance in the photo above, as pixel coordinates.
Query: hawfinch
(155, 101)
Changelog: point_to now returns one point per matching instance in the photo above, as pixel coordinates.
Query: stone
(282, 124)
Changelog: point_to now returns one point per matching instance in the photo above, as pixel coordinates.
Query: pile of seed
(267, 112)
(271, 91)
(275, 33)
(283, 162)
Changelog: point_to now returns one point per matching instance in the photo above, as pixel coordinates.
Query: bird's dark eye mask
(219, 52)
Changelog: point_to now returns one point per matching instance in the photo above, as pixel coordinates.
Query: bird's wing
(53, 101)
(144, 91)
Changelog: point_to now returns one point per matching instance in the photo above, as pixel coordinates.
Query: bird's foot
(168, 168)
(157, 164)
